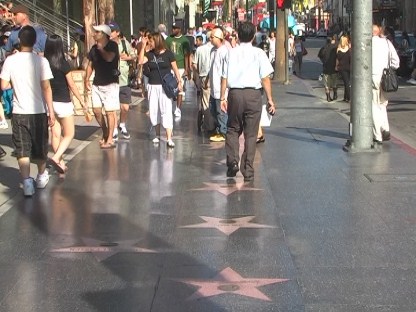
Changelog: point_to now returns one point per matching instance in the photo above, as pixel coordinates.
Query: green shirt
(124, 65)
(180, 47)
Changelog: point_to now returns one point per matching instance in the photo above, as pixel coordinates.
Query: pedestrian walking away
(219, 59)
(29, 74)
(383, 53)
(62, 83)
(328, 56)
(244, 101)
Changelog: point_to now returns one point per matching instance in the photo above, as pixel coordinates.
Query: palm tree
(105, 14)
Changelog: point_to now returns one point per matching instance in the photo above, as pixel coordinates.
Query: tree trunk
(89, 20)
(105, 11)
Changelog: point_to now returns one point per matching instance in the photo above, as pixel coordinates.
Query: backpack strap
(123, 43)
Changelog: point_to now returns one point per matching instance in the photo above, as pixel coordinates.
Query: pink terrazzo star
(103, 250)
(226, 188)
(228, 226)
(229, 281)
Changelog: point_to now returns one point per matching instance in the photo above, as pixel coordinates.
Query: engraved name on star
(228, 226)
(226, 188)
(229, 281)
(103, 250)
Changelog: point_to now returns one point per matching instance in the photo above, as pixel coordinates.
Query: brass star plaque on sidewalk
(229, 281)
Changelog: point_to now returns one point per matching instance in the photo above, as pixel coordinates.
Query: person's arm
(88, 73)
(47, 96)
(223, 100)
(5, 84)
(142, 59)
(177, 75)
(74, 89)
(268, 91)
(108, 56)
(74, 51)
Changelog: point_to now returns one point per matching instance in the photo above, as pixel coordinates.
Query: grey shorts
(330, 80)
(30, 136)
(125, 95)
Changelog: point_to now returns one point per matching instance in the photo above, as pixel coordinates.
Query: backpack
(133, 71)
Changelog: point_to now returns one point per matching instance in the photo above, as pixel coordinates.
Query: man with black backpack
(127, 56)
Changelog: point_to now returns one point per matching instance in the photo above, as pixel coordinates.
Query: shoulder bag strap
(157, 65)
(388, 48)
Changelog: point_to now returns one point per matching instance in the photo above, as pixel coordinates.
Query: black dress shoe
(385, 135)
(260, 139)
(2, 152)
(232, 170)
(377, 143)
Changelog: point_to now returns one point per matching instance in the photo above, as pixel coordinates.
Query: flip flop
(108, 146)
(56, 166)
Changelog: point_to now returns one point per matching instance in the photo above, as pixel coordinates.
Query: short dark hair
(246, 31)
(27, 36)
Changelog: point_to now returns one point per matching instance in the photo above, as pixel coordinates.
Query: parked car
(407, 55)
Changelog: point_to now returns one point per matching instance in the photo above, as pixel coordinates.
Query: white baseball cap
(104, 28)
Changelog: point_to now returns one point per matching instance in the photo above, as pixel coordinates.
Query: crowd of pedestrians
(230, 96)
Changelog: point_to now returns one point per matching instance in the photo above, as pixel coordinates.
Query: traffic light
(284, 4)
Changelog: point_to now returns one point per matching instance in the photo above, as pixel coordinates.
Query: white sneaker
(42, 180)
(156, 140)
(4, 124)
(177, 112)
(412, 81)
(170, 144)
(28, 187)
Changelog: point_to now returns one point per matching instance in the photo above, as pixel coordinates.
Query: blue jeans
(220, 117)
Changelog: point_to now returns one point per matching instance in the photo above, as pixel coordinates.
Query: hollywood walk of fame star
(228, 226)
(226, 188)
(229, 281)
(103, 250)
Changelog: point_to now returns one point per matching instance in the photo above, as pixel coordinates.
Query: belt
(246, 89)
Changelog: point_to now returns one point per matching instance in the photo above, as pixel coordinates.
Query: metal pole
(67, 25)
(361, 78)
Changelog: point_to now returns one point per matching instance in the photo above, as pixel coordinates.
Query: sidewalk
(147, 228)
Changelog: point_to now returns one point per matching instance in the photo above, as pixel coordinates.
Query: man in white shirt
(246, 73)
(29, 74)
(201, 63)
(219, 59)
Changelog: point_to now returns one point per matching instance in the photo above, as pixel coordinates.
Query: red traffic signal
(283, 4)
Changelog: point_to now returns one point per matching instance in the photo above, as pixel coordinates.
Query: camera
(268, 109)
(116, 72)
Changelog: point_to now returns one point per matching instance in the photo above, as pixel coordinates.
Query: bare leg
(24, 166)
(98, 113)
(67, 124)
(111, 122)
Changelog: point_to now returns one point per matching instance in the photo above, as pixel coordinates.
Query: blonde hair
(343, 42)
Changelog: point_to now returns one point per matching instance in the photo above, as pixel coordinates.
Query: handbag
(304, 51)
(389, 80)
(169, 83)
